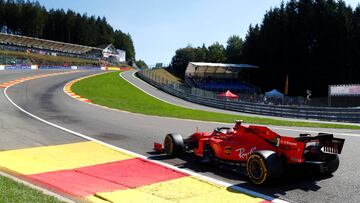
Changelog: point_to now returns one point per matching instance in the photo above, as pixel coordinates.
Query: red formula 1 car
(258, 151)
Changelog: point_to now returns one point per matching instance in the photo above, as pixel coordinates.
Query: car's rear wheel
(332, 165)
(264, 166)
(330, 161)
(329, 166)
(173, 145)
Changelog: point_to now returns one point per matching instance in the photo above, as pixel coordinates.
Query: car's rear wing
(328, 142)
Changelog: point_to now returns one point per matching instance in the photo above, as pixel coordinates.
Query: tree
(123, 41)
(355, 45)
(31, 19)
(234, 49)
(181, 59)
(70, 26)
(12, 17)
(313, 41)
(106, 32)
(2, 11)
(201, 54)
(216, 53)
(141, 64)
(250, 47)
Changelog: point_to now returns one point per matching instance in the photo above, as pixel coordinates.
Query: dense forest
(315, 42)
(31, 19)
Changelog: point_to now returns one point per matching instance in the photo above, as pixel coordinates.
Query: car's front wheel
(173, 145)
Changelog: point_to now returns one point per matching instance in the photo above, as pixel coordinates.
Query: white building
(111, 53)
(122, 56)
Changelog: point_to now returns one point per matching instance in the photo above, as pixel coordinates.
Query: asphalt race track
(45, 98)
(20, 131)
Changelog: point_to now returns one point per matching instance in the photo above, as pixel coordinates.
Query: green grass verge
(12, 191)
(112, 91)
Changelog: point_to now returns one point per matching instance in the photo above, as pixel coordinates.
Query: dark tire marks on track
(18, 130)
(137, 133)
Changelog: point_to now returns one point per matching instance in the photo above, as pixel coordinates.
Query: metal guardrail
(208, 99)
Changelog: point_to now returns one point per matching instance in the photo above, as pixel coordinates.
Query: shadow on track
(293, 179)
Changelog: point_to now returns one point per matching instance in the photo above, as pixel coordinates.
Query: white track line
(277, 128)
(213, 180)
(45, 191)
(184, 119)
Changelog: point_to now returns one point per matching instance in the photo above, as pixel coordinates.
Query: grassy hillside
(167, 76)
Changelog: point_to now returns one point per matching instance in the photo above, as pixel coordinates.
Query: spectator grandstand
(174, 86)
(25, 44)
(219, 77)
(42, 46)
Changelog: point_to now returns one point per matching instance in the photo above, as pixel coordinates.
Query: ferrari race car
(257, 151)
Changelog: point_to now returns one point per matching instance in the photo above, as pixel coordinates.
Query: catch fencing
(251, 105)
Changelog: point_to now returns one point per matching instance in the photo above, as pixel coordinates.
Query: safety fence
(210, 99)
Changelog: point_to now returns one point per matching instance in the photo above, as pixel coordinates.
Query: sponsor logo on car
(243, 154)
(227, 150)
(289, 143)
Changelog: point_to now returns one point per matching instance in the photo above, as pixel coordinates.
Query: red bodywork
(259, 150)
(239, 142)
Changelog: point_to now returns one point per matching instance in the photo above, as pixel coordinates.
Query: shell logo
(228, 150)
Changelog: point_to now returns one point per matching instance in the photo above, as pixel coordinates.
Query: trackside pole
(329, 96)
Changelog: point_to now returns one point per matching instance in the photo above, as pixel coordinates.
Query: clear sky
(159, 27)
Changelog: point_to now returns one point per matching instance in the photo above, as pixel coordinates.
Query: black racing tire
(173, 145)
(331, 166)
(264, 167)
(330, 161)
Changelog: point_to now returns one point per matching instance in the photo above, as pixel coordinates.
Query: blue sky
(159, 27)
